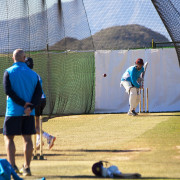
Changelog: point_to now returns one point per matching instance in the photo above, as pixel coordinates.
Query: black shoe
(135, 112)
(132, 113)
(16, 169)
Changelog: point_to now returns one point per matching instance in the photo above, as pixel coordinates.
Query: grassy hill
(118, 37)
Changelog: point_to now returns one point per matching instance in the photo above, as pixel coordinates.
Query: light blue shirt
(132, 75)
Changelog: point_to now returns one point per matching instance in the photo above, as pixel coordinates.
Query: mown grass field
(148, 144)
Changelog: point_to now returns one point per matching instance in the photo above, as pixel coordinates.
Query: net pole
(41, 143)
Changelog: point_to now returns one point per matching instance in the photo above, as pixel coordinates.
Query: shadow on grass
(95, 177)
(146, 114)
(62, 155)
(106, 150)
(56, 154)
(159, 178)
(76, 177)
(47, 155)
(15, 155)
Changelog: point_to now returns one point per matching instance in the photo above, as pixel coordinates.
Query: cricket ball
(104, 75)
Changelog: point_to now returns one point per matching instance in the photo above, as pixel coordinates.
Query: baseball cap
(139, 61)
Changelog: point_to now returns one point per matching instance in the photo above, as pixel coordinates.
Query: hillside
(118, 37)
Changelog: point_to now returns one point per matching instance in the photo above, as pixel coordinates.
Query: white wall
(162, 79)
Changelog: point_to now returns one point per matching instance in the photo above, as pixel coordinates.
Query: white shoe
(50, 141)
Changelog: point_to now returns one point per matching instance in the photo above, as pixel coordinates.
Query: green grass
(148, 144)
(164, 143)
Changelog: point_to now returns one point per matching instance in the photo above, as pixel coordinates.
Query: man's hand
(37, 130)
(27, 104)
(27, 111)
(141, 82)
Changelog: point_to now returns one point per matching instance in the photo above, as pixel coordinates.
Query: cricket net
(61, 37)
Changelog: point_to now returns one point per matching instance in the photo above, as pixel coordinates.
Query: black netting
(169, 11)
(62, 36)
(43, 31)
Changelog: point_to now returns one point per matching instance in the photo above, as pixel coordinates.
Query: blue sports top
(21, 85)
(132, 75)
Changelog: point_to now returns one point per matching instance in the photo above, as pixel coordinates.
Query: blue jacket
(21, 85)
(132, 75)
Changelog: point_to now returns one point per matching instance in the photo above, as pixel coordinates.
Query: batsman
(132, 81)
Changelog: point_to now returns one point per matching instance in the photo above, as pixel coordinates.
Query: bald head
(18, 55)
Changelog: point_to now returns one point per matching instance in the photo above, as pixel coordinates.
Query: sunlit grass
(148, 144)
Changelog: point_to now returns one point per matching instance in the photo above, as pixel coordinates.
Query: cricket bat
(143, 74)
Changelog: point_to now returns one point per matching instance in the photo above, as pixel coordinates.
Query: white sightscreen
(162, 79)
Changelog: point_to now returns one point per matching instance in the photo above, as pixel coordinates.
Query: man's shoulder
(34, 74)
(9, 69)
(131, 68)
(39, 77)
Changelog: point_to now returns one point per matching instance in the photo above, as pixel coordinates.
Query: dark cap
(29, 62)
(139, 61)
(97, 168)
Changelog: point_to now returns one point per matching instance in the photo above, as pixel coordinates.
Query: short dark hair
(29, 62)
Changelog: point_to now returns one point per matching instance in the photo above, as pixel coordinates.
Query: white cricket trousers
(133, 92)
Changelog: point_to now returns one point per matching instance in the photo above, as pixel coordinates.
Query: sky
(123, 12)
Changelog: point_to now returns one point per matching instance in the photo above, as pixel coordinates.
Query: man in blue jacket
(23, 91)
(130, 82)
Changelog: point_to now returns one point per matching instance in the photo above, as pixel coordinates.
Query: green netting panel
(71, 83)
(5, 61)
(68, 81)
